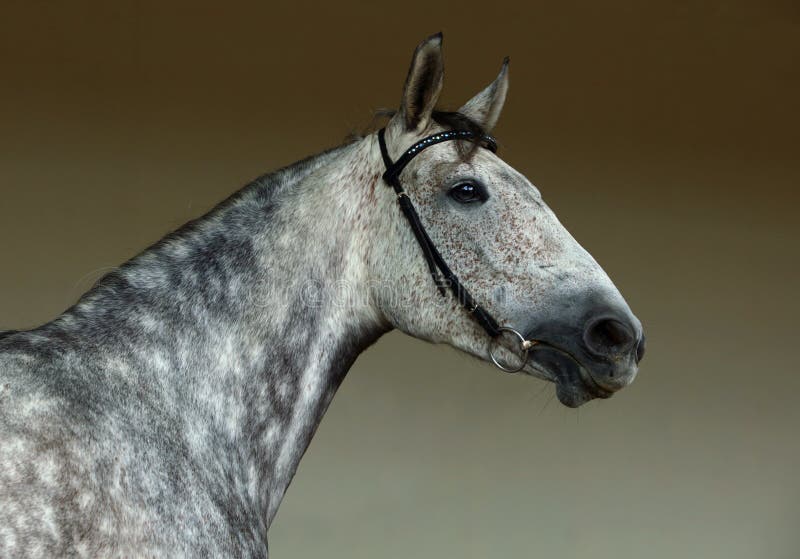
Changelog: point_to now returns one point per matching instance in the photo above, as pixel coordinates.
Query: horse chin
(574, 384)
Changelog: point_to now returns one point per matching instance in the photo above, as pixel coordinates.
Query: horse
(166, 412)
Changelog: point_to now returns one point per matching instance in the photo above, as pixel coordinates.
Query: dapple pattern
(165, 414)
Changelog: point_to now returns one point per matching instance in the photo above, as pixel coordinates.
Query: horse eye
(467, 193)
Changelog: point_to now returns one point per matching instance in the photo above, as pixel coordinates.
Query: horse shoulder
(50, 501)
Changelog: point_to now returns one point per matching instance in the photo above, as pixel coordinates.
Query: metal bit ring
(525, 346)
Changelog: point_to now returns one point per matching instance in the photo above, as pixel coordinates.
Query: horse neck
(245, 322)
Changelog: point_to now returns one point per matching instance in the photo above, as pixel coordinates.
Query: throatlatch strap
(441, 273)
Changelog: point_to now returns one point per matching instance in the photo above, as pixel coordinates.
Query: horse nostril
(609, 337)
(640, 349)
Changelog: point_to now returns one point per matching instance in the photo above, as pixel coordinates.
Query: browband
(441, 273)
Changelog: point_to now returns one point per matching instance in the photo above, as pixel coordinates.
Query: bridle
(441, 273)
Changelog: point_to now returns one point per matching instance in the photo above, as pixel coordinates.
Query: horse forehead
(450, 161)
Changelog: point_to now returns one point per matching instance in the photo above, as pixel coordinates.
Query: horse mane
(7, 333)
(454, 120)
(449, 120)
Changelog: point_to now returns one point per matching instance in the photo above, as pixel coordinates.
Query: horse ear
(423, 84)
(486, 106)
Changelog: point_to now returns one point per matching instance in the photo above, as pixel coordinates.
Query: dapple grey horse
(166, 412)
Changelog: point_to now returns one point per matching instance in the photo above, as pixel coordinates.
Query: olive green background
(664, 135)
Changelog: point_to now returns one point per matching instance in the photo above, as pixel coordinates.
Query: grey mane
(449, 120)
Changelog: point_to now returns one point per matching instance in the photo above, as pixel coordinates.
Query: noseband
(441, 273)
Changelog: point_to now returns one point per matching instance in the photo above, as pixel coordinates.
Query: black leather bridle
(441, 273)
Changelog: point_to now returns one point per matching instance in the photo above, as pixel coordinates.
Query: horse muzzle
(588, 362)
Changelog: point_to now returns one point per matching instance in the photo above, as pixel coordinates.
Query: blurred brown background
(665, 136)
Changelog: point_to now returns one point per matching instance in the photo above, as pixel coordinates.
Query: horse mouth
(574, 383)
